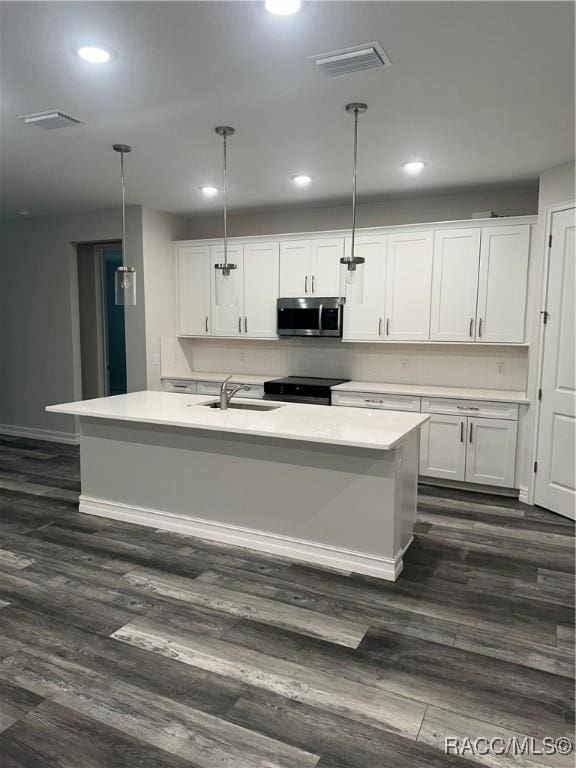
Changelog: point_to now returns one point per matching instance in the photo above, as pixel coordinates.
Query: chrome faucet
(226, 395)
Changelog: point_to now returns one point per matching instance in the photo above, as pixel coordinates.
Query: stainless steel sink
(244, 406)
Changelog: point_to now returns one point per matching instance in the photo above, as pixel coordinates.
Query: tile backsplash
(494, 367)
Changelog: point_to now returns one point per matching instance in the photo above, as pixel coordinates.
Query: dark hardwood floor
(126, 647)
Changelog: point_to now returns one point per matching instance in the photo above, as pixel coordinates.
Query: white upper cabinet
(364, 317)
(408, 286)
(325, 258)
(503, 284)
(193, 264)
(227, 319)
(455, 284)
(261, 268)
(310, 267)
(295, 269)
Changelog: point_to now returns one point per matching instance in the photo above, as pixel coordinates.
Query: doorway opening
(102, 325)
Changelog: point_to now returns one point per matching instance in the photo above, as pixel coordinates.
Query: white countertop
(355, 427)
(421, 390)
(240, 378)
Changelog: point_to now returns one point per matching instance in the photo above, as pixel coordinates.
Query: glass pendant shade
(125, 286)
(226, 285)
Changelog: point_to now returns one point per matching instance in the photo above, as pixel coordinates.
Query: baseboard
(523, 495)
(457, 485)
(274, 544)
(48, 435)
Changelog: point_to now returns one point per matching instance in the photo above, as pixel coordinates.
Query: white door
(443, 447)
(261, 269)
(491, 451)
(295, 277)
(408, 286)
(227, 319)
(325, 266)
(503, 283)
(193, 290)
(364, 312)
(455, 284)
(555, 485)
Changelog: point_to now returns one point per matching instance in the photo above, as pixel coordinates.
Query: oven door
(309, 317)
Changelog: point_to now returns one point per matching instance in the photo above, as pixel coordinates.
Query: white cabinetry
(310, 267)
(364, 318)
(256, 280)
(502, 285)
(455, 284)
(477, 449)
(193, 275)
(408, 286)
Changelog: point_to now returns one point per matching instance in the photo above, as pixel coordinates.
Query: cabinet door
(193, 290)
(455, 284)
(408, 286)
(325, 266)
(227, 319)
(295, 277)
(491, 451)
(503, 283)
(364, 313)
(261, 267)
(443, 447)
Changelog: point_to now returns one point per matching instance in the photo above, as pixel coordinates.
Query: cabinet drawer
(174, 385)
(483, 408)
(372, 400)
(213, 388)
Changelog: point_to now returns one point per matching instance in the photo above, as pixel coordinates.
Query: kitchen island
(330, 486)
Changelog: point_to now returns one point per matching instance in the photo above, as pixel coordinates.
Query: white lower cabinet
(491, 451)
(443, 447)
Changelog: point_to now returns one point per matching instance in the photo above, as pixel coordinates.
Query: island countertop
(354, 427)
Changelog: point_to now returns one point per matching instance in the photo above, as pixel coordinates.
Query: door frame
(540, 341)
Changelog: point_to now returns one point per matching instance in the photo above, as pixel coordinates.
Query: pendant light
(225, 275)
(352, 265)
(124, 277)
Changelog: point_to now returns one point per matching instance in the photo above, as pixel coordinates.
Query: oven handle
(320, 308)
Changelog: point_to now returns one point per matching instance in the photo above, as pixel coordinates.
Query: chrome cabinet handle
(239, 325)
(306, 284)
(387, 326)
(380, 327)
(471, 428)
(480, 328)
(468, 407)
(206, 325)
(313, 288)
(245, 324)
(373, 400)
(461, 431)
(471, 328)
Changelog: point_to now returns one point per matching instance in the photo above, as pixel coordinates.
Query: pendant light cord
(354, 173)
(225, 205)
(123, 208)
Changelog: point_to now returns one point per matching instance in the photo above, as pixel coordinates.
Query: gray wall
(516, 201)
(39, 329)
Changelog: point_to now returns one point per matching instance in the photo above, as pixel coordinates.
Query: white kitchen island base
(339, 506)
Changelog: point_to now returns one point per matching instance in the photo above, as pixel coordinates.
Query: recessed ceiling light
(301, 180)
(94, 55)
(413, 167)
(283, 7)
(209, 191)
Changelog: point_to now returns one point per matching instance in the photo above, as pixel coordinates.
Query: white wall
(518, 201)
(451, 365)
(39, 304)
(159, 230)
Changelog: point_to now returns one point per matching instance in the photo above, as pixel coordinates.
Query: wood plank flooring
(126, 647)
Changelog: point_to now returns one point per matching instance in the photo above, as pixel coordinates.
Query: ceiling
(481, 91)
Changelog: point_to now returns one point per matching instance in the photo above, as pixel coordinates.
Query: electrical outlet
(404, 362)
(500, 367)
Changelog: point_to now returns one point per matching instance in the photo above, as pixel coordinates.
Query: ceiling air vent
(357, 59)
(49, 120)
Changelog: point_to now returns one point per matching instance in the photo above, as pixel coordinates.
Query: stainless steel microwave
(310, 316)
